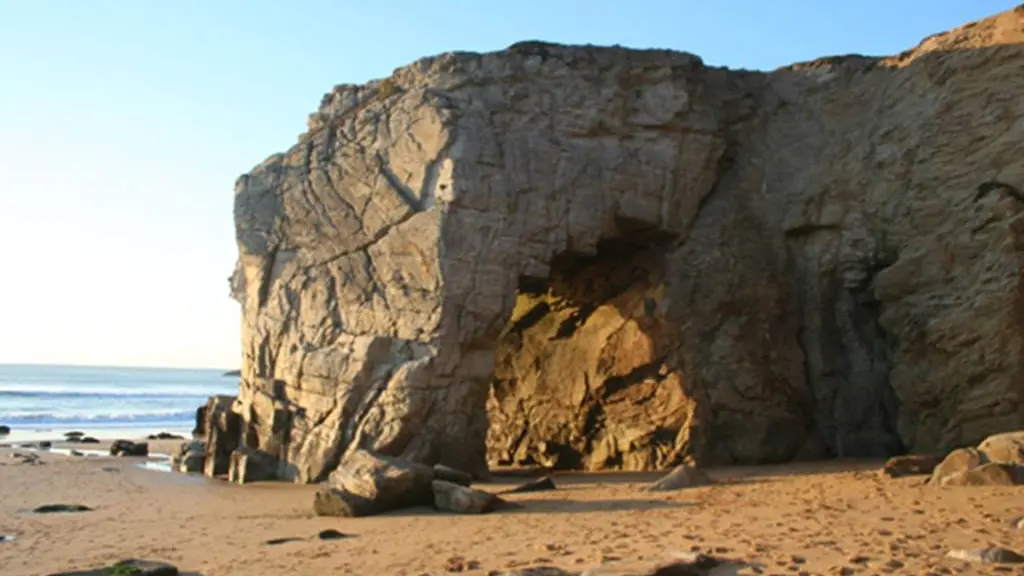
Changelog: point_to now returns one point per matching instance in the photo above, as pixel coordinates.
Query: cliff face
(606, 258)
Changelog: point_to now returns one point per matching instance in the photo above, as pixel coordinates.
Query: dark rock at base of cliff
(220, 428)
(128, 568)
(251, 465)
(129, 448)
(910, 465)
(365, 484)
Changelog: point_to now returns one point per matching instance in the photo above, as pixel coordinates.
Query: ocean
(44, 402)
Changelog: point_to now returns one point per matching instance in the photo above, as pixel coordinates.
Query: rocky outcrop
(588, 257)
(219, 427)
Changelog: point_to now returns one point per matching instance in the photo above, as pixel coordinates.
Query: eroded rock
(452, 497)
(220, 429)
(958, 461)
(1006, 448)
(365, 484)
(815, 268)
(250, 465)
(990, 474)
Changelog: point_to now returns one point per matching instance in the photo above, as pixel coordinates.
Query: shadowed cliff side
(810, 272)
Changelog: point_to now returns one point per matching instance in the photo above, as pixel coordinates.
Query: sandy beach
(821, 518)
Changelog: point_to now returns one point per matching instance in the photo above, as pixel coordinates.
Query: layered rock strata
(593, 257)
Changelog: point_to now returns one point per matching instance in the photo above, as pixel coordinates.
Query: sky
(124, 124)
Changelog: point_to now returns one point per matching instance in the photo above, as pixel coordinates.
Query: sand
(793, 519)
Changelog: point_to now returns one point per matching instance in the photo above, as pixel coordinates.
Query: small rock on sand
(991, 555)
(55, 508)
(5, 430)
(332, 534)
(684, 476)
(133, 567)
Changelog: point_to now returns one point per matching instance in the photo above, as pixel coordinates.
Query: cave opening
(583, 375)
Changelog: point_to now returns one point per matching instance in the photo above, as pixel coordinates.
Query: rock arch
(808, 308)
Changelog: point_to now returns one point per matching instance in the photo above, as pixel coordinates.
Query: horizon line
(114, 366)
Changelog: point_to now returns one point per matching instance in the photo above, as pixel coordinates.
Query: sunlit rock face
(598, 258)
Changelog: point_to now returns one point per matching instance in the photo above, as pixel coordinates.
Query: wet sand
(807, 518)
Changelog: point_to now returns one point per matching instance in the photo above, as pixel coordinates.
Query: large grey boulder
(365, 484)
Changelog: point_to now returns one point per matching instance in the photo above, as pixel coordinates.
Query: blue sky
(124, 123)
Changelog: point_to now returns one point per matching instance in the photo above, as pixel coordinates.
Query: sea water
(44, 402)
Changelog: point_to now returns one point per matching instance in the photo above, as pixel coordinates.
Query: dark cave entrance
(583, 377)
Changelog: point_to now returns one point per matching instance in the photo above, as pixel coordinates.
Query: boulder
(128, 568)
(89, 440)
(910, 465)
(451, 497)
(956, 462)
(129, 448)
(366, 483)
(449, 474)
(990, 474)
(1006, 448)
(4, 430)
(250, 465)
(190, 457)
(683, 476)
(679, 261)
(73, 434)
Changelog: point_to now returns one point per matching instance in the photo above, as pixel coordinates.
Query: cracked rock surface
(627, 259)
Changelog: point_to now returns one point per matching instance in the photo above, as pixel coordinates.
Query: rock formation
(591, 257)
